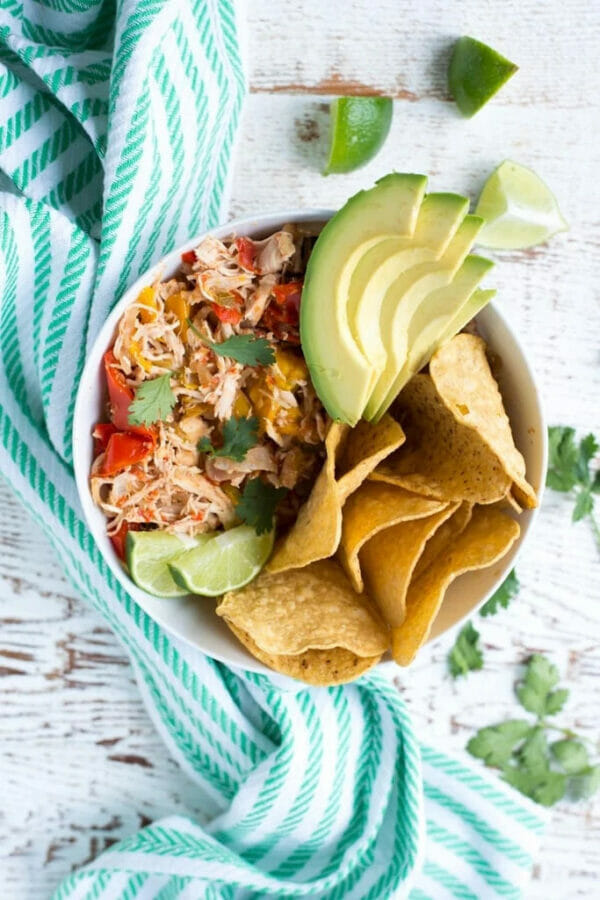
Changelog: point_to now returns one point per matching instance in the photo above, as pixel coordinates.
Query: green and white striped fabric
(116, 128)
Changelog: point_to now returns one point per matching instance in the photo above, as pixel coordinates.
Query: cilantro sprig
(509, 589)
(243, 348)
(153, 401)
(466, 655)
(258, 504)
(570, 471)
(239, 436)
(542, 768)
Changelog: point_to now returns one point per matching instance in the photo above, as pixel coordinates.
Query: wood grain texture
(80, 763)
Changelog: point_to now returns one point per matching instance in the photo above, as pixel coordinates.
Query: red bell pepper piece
(247, 253)
(101, 434)
(189, 256)
(120, 396)
(119, 392)
(124, 450)
(227, 313)
(118, 540)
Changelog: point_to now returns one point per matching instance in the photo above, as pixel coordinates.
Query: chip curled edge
(320, 668)
(443, 537)
(371, 508)
(364, 448)
(486, 539)
(463, 379)
(317, 530)
(442, 458)
(314, 608)
(387, 561)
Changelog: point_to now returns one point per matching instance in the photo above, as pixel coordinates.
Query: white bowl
(193, 619)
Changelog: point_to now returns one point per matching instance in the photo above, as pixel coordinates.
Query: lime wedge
(518, 208)
(148, 554)
(359, 126)
(228, 561)
(476, 73)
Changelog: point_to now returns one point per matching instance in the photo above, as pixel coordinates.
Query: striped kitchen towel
(116, 127)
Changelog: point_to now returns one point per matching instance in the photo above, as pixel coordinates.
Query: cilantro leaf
(571, 754)
(258, 503)
(535, 690)
(562, 463)
(466, 654)
(153, 401)
(239, 435)
(544, 787)
(569, 471)
(584, 506)
(495, 744)
(243, 348)
(508, 589)
(584, 784)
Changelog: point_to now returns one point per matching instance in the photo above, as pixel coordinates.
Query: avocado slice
(443, 313)
(340, 373)
(402, 301)
(437, 222)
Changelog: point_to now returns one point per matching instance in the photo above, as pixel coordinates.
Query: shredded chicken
(224, 288)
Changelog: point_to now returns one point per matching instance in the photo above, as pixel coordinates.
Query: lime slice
(476, 73)
(228, 561)
(518, 208)
(148, 554)
(359, 126)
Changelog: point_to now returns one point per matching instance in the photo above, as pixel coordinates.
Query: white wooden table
(80, 763)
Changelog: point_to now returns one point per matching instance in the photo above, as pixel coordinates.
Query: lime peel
(148, 554)
(359, 127)
(229, 560)
(519, 209)
(476, 72)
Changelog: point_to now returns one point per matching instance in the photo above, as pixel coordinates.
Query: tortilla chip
(322, 668)
(364, 449)
(443, 537)
(317, 530)
(463, 379)
(388, 559)
(371, 508)
(486, 539)
(441, 458)
(314, 608)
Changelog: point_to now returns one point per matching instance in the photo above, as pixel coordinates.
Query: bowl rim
(252, 225)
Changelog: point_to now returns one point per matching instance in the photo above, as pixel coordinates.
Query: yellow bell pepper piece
(288, 421)
(292, 368)
(147, 298)
(135, 353)
(180, 308)
(262, 400)
(241, 406)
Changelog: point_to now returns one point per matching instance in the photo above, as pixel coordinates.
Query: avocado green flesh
(443, 313)
(340, 373)
(380, 266)
(402, 301)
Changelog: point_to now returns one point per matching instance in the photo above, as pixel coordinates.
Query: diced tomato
(189, 256)
(286, 309)
(247, 253)
(227, 313)
(118, 540)
(288, 294)
(101, 434)
(124, 450)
